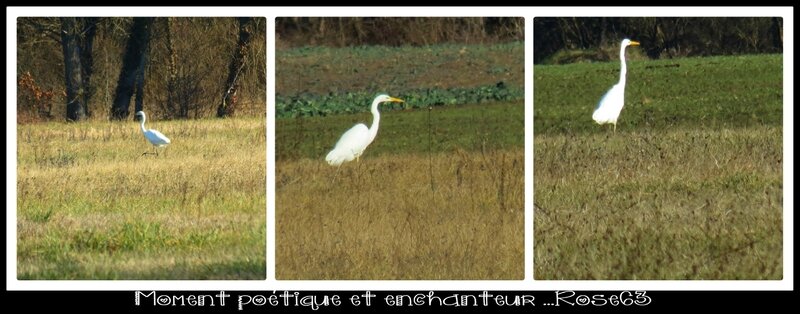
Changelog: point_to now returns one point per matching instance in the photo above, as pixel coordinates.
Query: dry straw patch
(456, 215)
(679, 204)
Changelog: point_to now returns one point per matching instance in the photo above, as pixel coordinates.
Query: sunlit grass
(90, 206)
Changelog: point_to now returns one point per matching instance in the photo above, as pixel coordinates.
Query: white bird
(353, 142)
(152, 136)
(610, 105)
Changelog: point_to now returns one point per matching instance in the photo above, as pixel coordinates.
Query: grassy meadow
(90, 206)
(689, 187)
(428, 200)
(439, 194)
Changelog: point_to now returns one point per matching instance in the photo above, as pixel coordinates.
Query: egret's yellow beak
(392, 99)
(634, 43)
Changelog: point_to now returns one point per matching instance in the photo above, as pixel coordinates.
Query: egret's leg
(337, 173)
(358, 169)
(615, 127)
(147, 152)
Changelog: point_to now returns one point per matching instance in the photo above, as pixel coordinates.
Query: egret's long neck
(142, 125)
(376, 119)
(623, 68)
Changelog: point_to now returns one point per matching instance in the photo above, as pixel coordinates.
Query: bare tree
(777, 31)
(131, 78)
(665, 37)
(228, 105)
(70, 33)
(87, 62)
(172, 71)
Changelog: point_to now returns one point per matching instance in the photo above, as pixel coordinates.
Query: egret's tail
(601, 118)
(334, 158)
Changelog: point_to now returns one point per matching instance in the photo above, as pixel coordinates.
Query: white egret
(610, 105)
(152, 136)
(353, 142)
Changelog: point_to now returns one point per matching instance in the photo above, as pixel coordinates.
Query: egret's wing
(354, 137)
(156, 138)
(350, 145)
(603, 99)
(608, 108)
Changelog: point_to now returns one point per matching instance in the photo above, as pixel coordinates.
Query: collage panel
(658, 145)
(399, 148)
(141, 148)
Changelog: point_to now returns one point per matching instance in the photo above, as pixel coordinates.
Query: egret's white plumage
(609, 107)
(152, 136)
(353, 142)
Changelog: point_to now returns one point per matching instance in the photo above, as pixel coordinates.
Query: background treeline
(570, 39)
(180, 67)
(401, 31)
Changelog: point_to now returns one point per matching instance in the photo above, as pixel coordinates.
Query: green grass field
(89, 206)
(471, 128)
(689, 187)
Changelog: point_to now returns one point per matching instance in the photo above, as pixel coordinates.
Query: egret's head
(139, 115)
(627, 42)
(385, 98)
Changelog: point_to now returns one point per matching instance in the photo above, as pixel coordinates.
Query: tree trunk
(87, 63)
(178, 107)
(139, 88)
(777, 33)
(133, 63)
(228, 105)
(72, 69)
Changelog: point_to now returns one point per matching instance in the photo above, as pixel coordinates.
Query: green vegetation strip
(354, 102)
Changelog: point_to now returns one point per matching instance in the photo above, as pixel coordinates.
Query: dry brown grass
(456, 215)
(678, 204)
